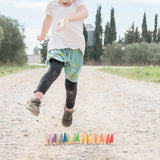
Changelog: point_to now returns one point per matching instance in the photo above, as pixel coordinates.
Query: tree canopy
(98, 48)
(12, 48)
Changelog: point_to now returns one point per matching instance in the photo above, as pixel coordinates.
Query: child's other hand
(63, 23)
(60, 25)
(40, 38)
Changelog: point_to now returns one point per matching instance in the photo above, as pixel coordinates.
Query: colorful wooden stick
(108, 139)
(93, 139)
(65, 138)
(88, 139)
(82, 139)
(74, 138)
(57, 139)
(101, 138)
(61, 140)
(68, 138)
(85, 139)
(96, 139)
(77, 138)
(111, 139)
(54, 139)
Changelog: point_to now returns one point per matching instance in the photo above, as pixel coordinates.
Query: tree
(12, 48)
(113, 32)
(155, 29)
(98, 49)
(144, 28)
(1, 34)
(137, 35)
(85, 33)
(132, 35)
(129, 35)
(149, 36)
(43, 50)
(107, 34)
(158, 35)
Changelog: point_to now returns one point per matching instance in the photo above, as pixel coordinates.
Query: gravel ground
(105, 103)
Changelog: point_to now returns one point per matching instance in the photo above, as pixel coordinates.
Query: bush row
(132, 54)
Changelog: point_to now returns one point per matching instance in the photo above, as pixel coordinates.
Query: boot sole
(33, 111)
(66, 125)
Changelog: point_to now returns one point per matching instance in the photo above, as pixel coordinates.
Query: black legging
(51, 75)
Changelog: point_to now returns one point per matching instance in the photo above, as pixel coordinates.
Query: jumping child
(65, 49)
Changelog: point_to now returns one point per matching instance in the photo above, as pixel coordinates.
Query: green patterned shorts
(73, 61)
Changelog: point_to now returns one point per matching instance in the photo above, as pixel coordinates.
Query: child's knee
(55, 67)
(70, 86)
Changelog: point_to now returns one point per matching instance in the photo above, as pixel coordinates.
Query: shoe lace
(37, 102)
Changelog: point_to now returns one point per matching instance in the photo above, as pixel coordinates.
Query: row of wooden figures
(84, 138)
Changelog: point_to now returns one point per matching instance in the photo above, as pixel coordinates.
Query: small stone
(26, 135)
(136, 143)
(24, 130)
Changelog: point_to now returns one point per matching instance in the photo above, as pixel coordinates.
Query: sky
(31, 13)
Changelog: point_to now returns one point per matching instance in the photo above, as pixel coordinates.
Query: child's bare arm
(81, 14)
(45, 28)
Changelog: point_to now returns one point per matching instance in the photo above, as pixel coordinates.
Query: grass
(5, 70)
(150, 74)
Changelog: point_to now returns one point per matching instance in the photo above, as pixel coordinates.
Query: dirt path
(105, 103)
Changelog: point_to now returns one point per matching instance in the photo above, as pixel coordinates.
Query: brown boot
(33, 106)
(67, 118)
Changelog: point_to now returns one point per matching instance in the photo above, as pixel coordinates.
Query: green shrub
(132, 54)
(12, 48)
(114, 54)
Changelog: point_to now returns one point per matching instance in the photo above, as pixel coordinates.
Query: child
(66, 48)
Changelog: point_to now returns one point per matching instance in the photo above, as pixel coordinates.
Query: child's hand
(40, 38)
(62, 24)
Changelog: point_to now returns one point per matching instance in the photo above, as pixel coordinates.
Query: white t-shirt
(72, 35)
